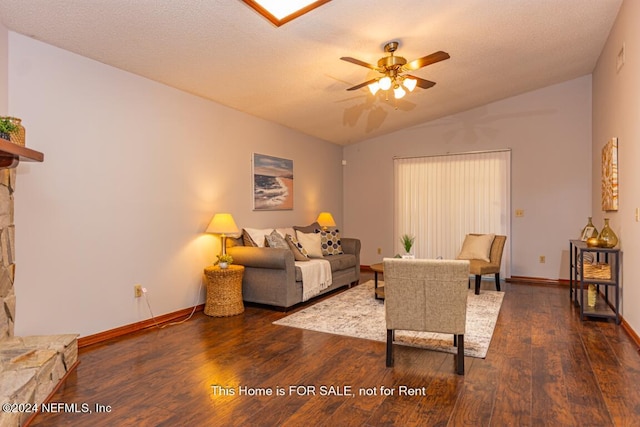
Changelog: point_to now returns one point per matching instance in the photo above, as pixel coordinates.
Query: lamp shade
(398, 92)
(385, 83)
(374, 87)
(325, 219)
(222, 223)
(410, 83)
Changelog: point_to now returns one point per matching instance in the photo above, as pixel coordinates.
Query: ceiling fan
(393, 69)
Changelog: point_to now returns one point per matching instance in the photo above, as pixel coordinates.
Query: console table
(604, 273)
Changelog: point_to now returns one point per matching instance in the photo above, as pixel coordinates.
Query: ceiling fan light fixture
(374, 87)
(409, 83)
(392, 69)
(385, 83)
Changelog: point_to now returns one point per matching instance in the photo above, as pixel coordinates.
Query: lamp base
(223, 242)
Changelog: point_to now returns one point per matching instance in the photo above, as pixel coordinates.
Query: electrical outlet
(137, 291)
(519, 213)
(379, 251)
(542, 259)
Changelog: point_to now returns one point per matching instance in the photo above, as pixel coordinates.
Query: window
(439, 199)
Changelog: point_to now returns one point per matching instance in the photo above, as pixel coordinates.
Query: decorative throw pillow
(299, 252)
(477, 247)
(330, 242)
(275, 240)
(257, 235)
(286, 230)
(311, 228)
(311, 242)
(247, 240)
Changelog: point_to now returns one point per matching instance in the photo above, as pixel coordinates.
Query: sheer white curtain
(440, 199)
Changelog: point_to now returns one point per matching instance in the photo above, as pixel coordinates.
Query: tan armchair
(479, 267)
(426, 295)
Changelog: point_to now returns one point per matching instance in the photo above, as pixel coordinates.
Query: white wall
(133, 172)
(549, 132)
(616, 108)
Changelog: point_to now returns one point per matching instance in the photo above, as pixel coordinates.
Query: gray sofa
(272, 278)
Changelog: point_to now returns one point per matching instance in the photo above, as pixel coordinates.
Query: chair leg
(389, 348)
(497, 281)
(478, 279)
(460, 355)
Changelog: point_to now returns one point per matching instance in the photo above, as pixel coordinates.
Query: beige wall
(4, 59)
(616, 112)
(133, 172)
(549, 133)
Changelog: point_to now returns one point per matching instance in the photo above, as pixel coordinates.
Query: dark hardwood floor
(545, 367)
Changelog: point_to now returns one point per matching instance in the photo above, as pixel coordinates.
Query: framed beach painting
(610, 175)
(272, 183)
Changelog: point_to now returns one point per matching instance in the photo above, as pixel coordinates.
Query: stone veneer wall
(7, 266)
(30, 367)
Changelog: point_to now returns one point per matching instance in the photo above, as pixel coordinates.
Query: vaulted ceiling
(226, 52)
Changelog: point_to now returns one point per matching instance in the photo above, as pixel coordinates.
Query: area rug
(356, 313)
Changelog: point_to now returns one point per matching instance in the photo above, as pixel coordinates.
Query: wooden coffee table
(379, 290)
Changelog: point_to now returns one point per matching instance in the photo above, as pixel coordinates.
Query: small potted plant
(224, 261)
(7, 127)
(407, 243)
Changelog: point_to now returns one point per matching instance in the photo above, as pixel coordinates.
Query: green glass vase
(594, 233)
(607, 238)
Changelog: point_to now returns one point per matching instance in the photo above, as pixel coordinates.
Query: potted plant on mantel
(7, 127)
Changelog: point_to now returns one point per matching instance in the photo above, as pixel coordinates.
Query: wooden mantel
(11, 154)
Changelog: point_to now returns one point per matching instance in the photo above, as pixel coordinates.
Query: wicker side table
(224, 291)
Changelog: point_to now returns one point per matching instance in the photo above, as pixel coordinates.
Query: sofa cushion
(246, 239)
(337, 262)
(477, 247)
(311, 242)
(341, 262)
(258, 235)
(275, 240)
(235, 241)
(299, 252)
(287, 230)
(311, 228)
(330, 242)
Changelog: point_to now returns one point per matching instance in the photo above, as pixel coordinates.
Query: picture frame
(610, 176)
(272, 183)
(588, 232)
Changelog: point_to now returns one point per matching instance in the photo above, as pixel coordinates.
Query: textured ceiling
(293, 75)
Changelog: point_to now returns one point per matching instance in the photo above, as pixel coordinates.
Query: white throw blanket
(316, 276)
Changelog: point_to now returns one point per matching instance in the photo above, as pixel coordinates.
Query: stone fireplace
(30, 367)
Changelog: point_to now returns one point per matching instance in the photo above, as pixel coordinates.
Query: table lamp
(325, 219)
(222, 224)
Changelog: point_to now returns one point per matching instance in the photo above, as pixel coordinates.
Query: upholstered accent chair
(426, 295)
(484, 252)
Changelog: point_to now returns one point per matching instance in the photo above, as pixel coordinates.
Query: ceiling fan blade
(361, 63)
(426, 60)
(362, 84)
(422, 83)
